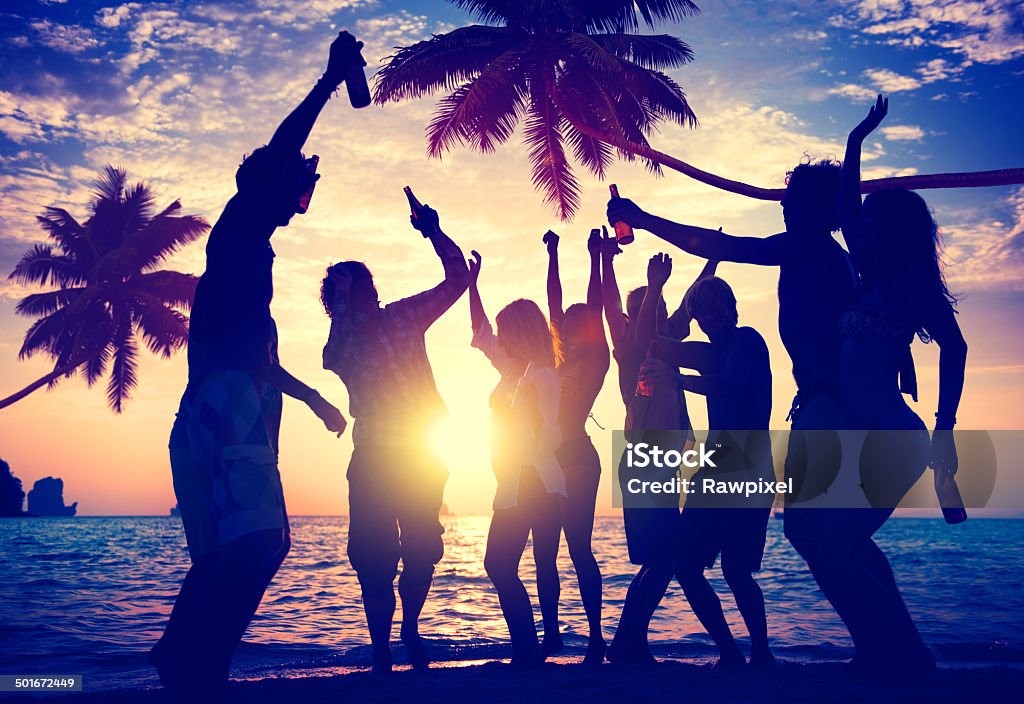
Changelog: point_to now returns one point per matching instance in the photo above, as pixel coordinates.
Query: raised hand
(551, 240)
(625, 210)
(474, 267)
(345, 54)
(658, 270)
(594, 242)
(609, 245)
(426, 221)
(875, 116)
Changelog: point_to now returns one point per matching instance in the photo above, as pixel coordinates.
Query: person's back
(746, 404)
(816, 285)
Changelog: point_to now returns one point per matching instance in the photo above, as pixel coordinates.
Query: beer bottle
(415, 207)
(307, 196)
(623, 232)
(949, 497)
(355, 83)
(646, 388)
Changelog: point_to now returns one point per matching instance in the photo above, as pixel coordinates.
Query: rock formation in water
(12, 496)
(47, 499)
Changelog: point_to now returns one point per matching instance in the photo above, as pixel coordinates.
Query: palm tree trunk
(970, 179)
(42, 381)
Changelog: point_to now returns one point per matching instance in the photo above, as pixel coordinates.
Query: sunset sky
(177, 92)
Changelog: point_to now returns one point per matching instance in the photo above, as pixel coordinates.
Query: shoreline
(563, 679)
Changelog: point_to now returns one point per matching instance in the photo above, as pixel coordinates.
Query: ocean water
(90, 596)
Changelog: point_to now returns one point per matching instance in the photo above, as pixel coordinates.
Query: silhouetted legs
(547, 533)
(582, 469)
(649, 536)
(395, 495)
(582, 481)
(224, 467)
(510, 529)
(738, 534)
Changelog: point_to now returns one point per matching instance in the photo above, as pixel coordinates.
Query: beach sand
(566, 681)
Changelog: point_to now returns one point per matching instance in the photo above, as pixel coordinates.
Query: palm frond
(489, 10)
(138, 207)
(163, 329)
(483, 112)
(626, 15)
(656, 52)
(123, 370)
(441, 63)
(551, 172)
(66, 231)
(165, 234)
(40, 304)
(40, 265)
(171, 288)
(109, 186)
(662, 97)
(591, 153)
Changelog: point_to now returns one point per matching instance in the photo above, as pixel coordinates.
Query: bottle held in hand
(415, 207)
(949, 497)
(307, 195)
(644, 387)
(355, 84)
(623, 231)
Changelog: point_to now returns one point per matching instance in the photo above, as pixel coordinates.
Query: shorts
(224, 461)
(581, 466)
(395, 492)
(737, 534)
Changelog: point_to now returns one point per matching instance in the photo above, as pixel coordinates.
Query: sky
(178, 92)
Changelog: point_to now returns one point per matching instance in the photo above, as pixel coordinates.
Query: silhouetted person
(395, 480)
(649, 529)
(817, 283)
(735, 376)
(581, 351)
(524, 437)
(224, 442)
(895, 247)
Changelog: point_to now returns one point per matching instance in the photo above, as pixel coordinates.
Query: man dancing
(224, 443)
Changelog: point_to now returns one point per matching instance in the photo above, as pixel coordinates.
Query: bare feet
(762, 659)
(630, 655)
(552, 644)
(415, 650)
(596, 650)
(382, 660)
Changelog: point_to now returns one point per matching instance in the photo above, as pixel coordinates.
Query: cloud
(980, 31)
(891, 82)
(71, 39)
(903, 133)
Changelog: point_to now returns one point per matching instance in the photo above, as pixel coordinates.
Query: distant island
(45, 499)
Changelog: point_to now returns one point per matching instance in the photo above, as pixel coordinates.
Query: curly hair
(360, 274)
(818, 182)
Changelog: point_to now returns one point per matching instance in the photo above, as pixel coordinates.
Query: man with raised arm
(395, 480)
(224, 443)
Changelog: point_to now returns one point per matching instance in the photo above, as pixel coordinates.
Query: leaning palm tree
(110, 289)
(573, 72)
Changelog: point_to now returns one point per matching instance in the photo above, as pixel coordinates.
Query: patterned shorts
(223, 451)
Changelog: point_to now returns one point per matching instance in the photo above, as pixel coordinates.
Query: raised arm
(594, 283)
(658, 270)
(699, 241)
(425, 308)
(610, 297)
(849, 184)
(555, 311)
(679, 321)
(291, 135)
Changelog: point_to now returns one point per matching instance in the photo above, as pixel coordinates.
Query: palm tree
(571, 71)
(110, 289)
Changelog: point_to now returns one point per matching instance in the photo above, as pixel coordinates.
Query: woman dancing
(895, 247)
(524, 437)
(581, 351)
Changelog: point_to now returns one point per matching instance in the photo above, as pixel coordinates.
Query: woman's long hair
(523, 332)
(905, 254)
(361, 277)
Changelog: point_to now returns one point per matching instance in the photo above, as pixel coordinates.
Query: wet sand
(564, 680)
